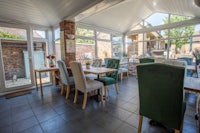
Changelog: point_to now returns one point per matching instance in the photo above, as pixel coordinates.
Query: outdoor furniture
(112, 77)
(66, 80)
(83, 85)
(146, 60)
(189, 61)
(177, 63)
(161, 94)
(124, 65)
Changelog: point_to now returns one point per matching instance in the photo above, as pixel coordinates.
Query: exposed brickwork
(13, 57)
(84, 48)
(13, 60)
(69, 28)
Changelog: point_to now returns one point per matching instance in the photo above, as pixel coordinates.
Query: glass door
(14, 62)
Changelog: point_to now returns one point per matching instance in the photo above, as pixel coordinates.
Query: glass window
(157, 19)
(116, 46)
(39, 34)
(84, 32)
(12, 33)
(104, 49)
(85, 49)
(177, 18)
(102, 35)
(57, 33)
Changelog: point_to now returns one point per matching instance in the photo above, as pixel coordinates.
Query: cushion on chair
(107, 80)
(93, 85)
(112, 77)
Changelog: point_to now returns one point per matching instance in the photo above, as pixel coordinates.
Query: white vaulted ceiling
(116, 15)
(41, 12)
(125, 15)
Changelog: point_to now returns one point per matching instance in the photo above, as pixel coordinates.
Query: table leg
(36, 81)
(53, 78)
(41, 84)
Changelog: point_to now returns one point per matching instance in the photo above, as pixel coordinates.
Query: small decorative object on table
(51, 58)
(87, 64)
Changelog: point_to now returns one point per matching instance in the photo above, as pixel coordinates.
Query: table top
(192, 84)
(98, 70)
(46, 69)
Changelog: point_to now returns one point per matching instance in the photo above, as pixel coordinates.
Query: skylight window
(156, 19)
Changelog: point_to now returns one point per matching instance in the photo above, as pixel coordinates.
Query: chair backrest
(146, 60)
(113, 63)
(79, 78)
(106, 61)
(161, 92)
(97, 62)
(64, 75)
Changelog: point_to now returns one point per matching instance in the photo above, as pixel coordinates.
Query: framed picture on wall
(70, 46)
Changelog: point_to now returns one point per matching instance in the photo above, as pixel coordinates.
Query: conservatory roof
(116, 15)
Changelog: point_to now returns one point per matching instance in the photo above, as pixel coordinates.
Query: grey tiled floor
(52, 113)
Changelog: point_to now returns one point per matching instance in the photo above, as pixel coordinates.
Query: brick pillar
(67, 42)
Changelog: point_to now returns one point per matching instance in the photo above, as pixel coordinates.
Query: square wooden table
(52, 70)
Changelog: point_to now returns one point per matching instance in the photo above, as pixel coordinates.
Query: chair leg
(76, 96)
(84, 100)
(121, 76)
(140, 124)
(127, 74)
(101, 91)
(116, 87)
(68, 91)
(105, 91)
(181, 129)
(62, 88)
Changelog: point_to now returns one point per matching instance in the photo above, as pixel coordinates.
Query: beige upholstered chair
(83, 85)
(66, 80)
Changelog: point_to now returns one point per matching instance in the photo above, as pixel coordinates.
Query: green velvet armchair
(161, 94)
(110, 78)
(146, 60)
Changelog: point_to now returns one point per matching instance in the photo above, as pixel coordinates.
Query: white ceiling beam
(166, 26)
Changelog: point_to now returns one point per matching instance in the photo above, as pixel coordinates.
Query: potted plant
(87, 64)
(51, 58)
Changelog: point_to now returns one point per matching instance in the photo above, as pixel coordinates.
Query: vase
(87, 66)
(51, 63)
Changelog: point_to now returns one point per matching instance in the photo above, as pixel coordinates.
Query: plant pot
(51, 64)
(87, 66)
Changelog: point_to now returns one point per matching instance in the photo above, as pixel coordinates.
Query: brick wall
(84, 48)
(13, 59)
(67, 27)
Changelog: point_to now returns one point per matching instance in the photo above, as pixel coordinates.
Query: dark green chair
(112, 77)
(161, 94)
(146, 60)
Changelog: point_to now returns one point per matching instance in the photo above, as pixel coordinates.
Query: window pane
(57, 33)
(39, 34)
(12, 33)
(104, 49)
(177, 18)
(84, 32)
(85, 49)
(157, 19)
(102, 35)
